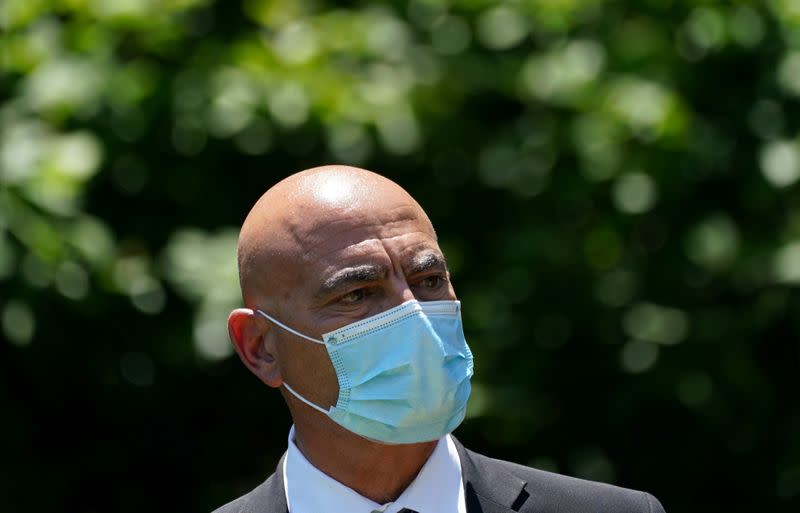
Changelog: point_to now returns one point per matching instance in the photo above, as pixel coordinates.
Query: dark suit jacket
(492, 486)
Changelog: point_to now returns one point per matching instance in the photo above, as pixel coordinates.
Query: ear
(255, 344)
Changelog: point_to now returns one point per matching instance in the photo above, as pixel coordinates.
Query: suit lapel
(489, 488)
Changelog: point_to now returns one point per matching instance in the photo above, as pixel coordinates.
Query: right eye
(353, 297)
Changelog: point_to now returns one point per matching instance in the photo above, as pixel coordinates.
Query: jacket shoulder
(242, 504)
(548, 492)
(234, 506)
(268, 497)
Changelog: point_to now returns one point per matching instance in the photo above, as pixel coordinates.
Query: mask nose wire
(285, 384)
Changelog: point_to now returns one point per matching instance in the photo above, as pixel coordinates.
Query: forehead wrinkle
(365, 247)
(348, 232)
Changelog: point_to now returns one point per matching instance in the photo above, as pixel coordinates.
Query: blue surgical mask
(403, 374)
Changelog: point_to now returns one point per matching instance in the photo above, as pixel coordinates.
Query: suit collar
(489, 488)
(435, 488)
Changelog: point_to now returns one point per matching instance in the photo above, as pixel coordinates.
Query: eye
(432, 282)
(354, 296)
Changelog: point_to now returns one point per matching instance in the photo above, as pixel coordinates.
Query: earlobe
(252, 340)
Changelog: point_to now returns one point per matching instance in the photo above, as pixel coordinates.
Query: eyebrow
(352, 275)
(427, 261)
(373, 272)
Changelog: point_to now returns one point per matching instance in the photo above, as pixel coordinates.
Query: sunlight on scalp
(334, 190)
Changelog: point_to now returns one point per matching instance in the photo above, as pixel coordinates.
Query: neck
(376, 471)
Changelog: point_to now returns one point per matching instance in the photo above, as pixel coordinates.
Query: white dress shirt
(438, 488)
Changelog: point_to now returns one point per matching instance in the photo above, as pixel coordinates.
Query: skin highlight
(319, 250)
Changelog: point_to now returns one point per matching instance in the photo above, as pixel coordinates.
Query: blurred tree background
(615, 185)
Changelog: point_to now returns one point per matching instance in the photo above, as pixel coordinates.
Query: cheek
(307, 368)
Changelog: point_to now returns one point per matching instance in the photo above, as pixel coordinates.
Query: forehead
(347, 236)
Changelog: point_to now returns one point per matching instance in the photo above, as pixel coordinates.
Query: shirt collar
(438, 486)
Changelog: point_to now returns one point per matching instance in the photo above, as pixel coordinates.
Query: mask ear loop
(286, 385)
(290, 330)
(318, 408)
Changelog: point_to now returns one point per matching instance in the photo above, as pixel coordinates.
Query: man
(352, 316)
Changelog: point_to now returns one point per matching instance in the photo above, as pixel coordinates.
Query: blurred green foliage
(615, 185)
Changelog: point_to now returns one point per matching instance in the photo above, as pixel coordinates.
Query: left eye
(431, 282)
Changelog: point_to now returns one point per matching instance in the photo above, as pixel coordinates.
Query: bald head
(309, 214)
